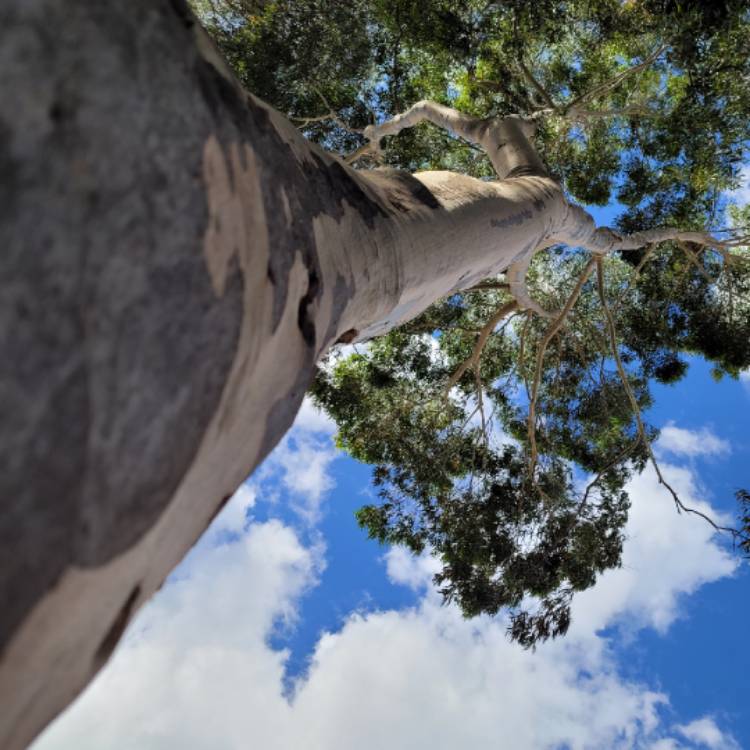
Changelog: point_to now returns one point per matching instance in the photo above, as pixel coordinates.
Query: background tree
(179, 257)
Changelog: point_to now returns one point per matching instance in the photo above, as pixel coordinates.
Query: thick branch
(487, 286)
(579, 229)
(506, 141)
(456, 122)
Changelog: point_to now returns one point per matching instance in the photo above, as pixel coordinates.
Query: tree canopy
(503, 439)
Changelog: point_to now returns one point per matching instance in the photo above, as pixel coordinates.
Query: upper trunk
(176, 259)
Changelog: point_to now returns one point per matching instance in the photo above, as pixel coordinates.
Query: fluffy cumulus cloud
(691, 443)
(705, 733)
(196, 669)
(300, 465)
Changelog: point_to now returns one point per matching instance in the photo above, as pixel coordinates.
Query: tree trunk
(176, 258)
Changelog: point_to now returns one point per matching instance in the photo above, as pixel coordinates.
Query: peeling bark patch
(295, 191)
(116, 629)
(332, 185)
(513, 220)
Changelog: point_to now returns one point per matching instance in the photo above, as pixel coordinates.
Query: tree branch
(456, 122)
(480, 401)
(505, 140)
(619, 458)
(529, 76)
(580, 230)
(612, 332)
(330, 115)
(485, 286)
(516, 275)
(615, 81)
(473, 359)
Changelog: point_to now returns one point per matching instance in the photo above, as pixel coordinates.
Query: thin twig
(612, 331)
(691, 256)
(548, 336)
(522, 353)
(480, 401)
(636, 273)
(615, 81)
(548, 100)
(619, 458)
(501, 312)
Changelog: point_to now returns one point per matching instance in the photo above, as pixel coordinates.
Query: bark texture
(176, 257)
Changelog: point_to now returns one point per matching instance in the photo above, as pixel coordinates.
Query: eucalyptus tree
(179, 256)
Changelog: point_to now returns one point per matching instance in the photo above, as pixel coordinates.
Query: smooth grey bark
(176, 257)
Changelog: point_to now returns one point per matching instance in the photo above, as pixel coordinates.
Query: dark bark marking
(523, 170)
(116, 629)
(182, 9)
(513, 220)
(347, 336)
(305, 321)
(221, 96)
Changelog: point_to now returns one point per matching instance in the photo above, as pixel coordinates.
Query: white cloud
(311, 419)
(666, 556)
(234, 516)
(705, 733)
(691, 443)
(407, 570)
(302, 462)
(196, 670)
(745, 379)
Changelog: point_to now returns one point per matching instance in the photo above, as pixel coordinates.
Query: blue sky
(286, 628)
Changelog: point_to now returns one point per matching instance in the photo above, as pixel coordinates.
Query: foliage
(665, 142)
